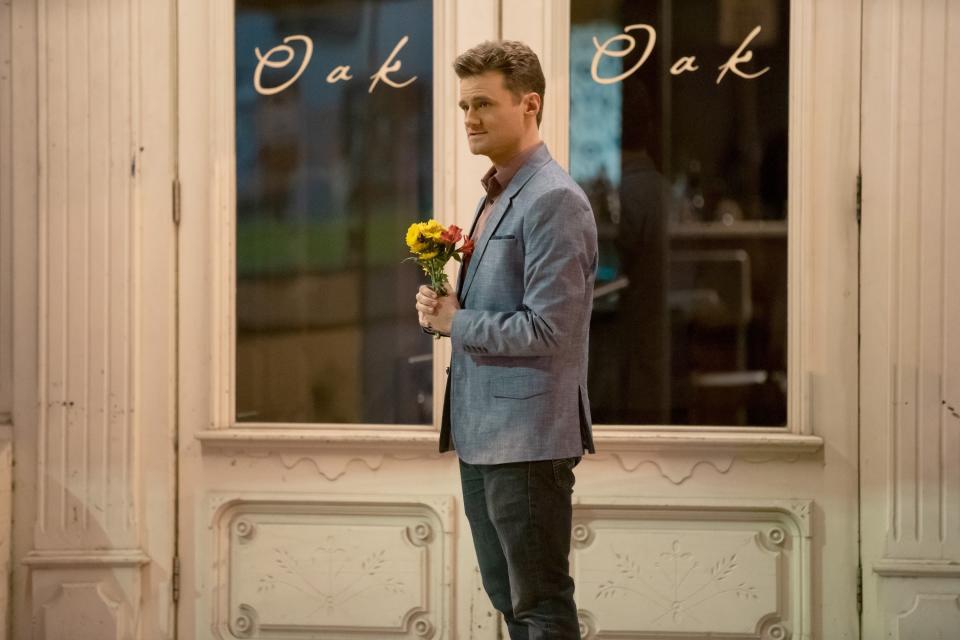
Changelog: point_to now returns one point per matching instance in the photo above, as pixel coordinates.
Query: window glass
(334, 152)
(678, 134)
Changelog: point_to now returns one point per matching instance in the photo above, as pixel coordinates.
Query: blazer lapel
(462, 271)
(527, 171)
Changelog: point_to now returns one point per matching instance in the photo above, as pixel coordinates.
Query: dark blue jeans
(520, 517)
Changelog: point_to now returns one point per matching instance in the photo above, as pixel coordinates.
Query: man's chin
(477, 148)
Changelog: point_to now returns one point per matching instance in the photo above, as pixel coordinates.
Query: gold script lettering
(265, 61)
(390, 66)
(604, 50)
(740, 56)
(339, 73)
(684, 64)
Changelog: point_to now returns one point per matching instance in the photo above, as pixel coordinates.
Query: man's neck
(525, 145)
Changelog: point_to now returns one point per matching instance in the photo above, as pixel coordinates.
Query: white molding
(6, 211)
(291, 437)
(222, 230)
(69, 558)
(799, 510)
(287, 436)
(890, 568)
(729, 441)
(446, 130)
(801, 157)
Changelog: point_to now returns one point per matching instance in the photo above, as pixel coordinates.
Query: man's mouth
(476, 133)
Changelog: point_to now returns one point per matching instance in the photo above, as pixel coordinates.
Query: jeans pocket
(563, 472)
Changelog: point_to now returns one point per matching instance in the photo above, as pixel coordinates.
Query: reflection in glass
(329, 176)
(687, 176)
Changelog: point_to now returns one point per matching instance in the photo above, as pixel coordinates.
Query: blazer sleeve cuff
(463, 319)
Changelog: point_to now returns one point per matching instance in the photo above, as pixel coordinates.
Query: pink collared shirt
(495, 181)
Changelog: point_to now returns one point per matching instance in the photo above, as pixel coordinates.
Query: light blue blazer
(517, 381)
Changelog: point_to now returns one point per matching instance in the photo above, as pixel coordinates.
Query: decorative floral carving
(683, 584)
(801, 510)
(323, 581)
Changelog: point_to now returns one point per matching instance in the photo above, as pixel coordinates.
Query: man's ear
(531, 104)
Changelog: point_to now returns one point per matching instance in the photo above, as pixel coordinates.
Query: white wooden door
(319, 527)
(292, 528)
(910, 358)
(88, 295)
(691, 532)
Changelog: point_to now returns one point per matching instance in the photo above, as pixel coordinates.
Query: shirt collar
(496, 180)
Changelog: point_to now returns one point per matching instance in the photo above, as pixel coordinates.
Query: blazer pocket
(519, 387)
(504, 237)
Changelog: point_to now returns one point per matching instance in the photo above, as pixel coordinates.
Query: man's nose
(470, 117)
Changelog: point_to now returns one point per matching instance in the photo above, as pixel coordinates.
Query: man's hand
(436, 312)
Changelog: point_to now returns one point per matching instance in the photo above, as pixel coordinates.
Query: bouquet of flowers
(432, 245)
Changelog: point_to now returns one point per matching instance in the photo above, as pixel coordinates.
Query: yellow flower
(413, 234)
(423, 238)
(432, 230)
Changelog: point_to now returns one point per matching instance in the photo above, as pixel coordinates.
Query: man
(515, 406)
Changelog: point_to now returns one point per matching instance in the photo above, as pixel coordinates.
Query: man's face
(493, 116)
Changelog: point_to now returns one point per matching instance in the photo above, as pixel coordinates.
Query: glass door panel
(334, 147)
(680, 141)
